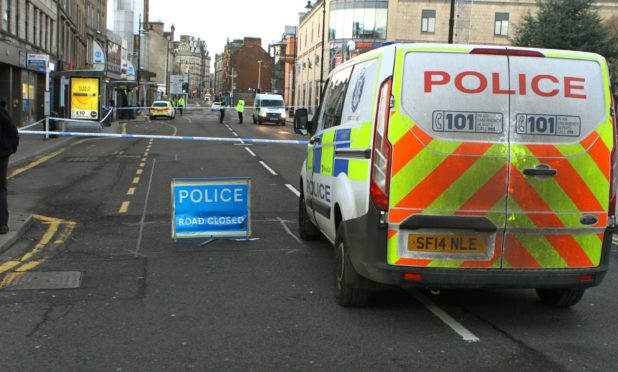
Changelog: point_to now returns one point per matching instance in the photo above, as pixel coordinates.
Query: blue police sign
(211, 208)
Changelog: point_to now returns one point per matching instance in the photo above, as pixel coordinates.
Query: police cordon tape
(178, 138)
(192, 108)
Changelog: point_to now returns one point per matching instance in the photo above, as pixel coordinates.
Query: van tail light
(382, 150)
(613, 172)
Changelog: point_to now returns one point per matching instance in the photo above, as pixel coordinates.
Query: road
(102, 212)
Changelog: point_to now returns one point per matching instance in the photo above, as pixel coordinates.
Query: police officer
(9, 140)
(222, 111)
(181, 104)
(240, 108)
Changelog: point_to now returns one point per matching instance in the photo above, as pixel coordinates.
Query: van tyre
(348, 290)
(306, 229)
(564, 297)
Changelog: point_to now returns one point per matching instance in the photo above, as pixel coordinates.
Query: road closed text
(474, 82)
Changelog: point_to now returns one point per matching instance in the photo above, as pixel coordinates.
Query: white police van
(463, 166)
(269, 108)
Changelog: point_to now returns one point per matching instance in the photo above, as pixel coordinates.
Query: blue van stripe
(341, 166)
(317, 159)
(342, 135)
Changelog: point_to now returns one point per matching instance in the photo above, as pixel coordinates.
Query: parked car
(162, 108)
(216, 106)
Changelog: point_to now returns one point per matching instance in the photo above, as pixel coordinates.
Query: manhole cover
(81, 159)
(42, 280)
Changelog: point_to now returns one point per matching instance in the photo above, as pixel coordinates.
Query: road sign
(176, 84)
(211, 208)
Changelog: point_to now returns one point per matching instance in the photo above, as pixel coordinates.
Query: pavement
(32, 147)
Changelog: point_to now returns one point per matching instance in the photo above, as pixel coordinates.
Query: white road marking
(143, 219)
(250, 152)
(296, 192)
(234, 133)
(268, 168)
(290, 233)
(447, 319)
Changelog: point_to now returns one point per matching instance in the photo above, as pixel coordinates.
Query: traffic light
(185, 87)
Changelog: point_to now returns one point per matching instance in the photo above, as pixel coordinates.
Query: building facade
(245, 69)
(61, 31)
(356, 26)
(191, 59)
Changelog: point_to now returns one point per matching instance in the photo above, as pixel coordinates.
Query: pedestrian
(240, 108)
(181, 104)
(9, 140)
(222, 111)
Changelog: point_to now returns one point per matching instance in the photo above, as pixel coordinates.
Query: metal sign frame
(213, 210)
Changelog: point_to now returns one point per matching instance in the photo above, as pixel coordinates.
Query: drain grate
(42, 280)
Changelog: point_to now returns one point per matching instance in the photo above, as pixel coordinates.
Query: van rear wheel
(306, 229)
(348, 282)
(563, 297)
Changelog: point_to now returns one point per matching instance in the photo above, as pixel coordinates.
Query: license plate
(438, 243)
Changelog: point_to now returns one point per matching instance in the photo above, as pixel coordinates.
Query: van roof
(467, 48)
(270, 95)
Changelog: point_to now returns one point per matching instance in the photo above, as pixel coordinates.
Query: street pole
(233, 87)
(322, 56)
(259, 74)
(167, 70)
(451, 23)
(139, 53)
(294, 70)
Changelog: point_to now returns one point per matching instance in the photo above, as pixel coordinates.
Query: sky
(216, 21)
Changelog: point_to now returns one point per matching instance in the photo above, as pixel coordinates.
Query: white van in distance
(463, 166)
(269, 108)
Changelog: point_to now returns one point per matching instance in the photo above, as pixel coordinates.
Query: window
(428, 21)
(5, 13)
(501, 27)
(333, 99)
(358, 19)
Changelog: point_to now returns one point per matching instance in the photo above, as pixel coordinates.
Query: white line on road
(268, 168)
(296, 192)
(250, 152)
(290, 233)
(447, 319)
(234, 133)
(143, 219)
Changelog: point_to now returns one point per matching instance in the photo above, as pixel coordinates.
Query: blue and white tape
(177, 138)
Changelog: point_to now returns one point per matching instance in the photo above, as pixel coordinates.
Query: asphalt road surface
(142, 302)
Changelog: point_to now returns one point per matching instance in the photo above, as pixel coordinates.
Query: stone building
(64, 31)
(245, 68)
(191, 59)
(284, 56)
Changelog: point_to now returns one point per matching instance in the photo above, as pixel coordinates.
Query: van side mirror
(302, 125)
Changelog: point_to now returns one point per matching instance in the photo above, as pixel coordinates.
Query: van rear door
(559, 173)
(449, 134)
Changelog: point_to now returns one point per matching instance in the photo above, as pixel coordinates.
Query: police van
(269, 108)
(458, 166)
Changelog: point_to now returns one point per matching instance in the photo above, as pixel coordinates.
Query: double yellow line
(58, 228)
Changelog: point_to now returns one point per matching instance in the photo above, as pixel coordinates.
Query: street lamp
(323, 32)
(259, 75)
